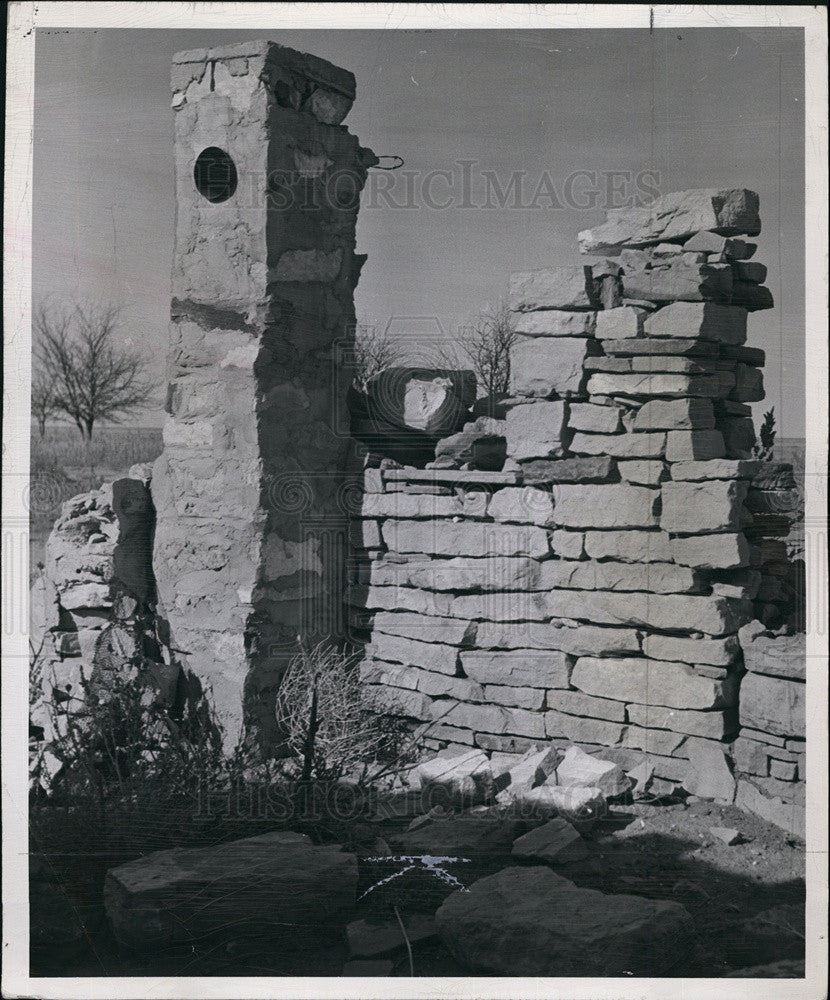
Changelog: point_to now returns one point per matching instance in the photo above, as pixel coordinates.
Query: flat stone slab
(278, 881)
(533, 922)
(555, 842)
(411, 475)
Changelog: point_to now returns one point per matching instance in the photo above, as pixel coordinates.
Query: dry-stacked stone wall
(593, 591)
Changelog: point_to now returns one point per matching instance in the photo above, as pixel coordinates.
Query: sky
(580, 119)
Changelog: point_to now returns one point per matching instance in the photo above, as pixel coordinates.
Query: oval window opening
(215, 174)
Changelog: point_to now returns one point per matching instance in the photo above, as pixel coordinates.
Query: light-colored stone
(790, 816)
(518, 668)
(580, 770)
(629, 546)
(774, 704)
(611, 506)
(411, 652)
(532, 922)
(562, 726)
(782, 656)
(690, 446)
(567, 544)
(466, 539)
(675, 217)
(577, 703)
(679, 280)
(721, 551)
(654, 384)
(620, 323)
(699, 508)
(554, 323)
(619, 445)
(643, 472)
(456, 777)
(537, 430)
(594, 419)
(716, 652)
(576, 639)
(653, 577)
(707, 320)
(675, 415)
(708, 775)
(410, 505)
(522, 505)
(718, 468)
(554, 288)
(424, 627)
(716, 725)
(543, 368)
(460, 574)
(652, 682)
(276, 880)
(713, 615)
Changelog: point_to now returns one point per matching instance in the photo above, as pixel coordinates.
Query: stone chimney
(247, 491)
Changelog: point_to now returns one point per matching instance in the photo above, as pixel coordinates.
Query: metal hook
(389, 156)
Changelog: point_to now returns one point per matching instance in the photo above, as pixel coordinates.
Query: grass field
(62, 466)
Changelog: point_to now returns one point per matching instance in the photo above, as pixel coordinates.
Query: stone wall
(250, 532)
(593, 591)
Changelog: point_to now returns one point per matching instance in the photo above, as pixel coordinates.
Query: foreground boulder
(278, 882)
(456, 778)
(533, 922)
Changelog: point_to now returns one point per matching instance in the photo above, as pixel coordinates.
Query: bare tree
(43, 400)
(484, 345)
(92, 375)
(374, 350)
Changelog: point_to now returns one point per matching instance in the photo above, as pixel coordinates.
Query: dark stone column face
(248, 491)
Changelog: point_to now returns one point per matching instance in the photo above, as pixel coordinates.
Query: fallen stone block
(554, 843)
(581, 770)
(277, 882)
(699, 508)
(673, 218)
(531, 769)
(727, 835)
(465, 836)
(532, 922)
(581, 807)
(543, 368)
(708, 774)
(456, 779)
(652, 682)
(554, 323)
(554, 288)
(790, 816)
